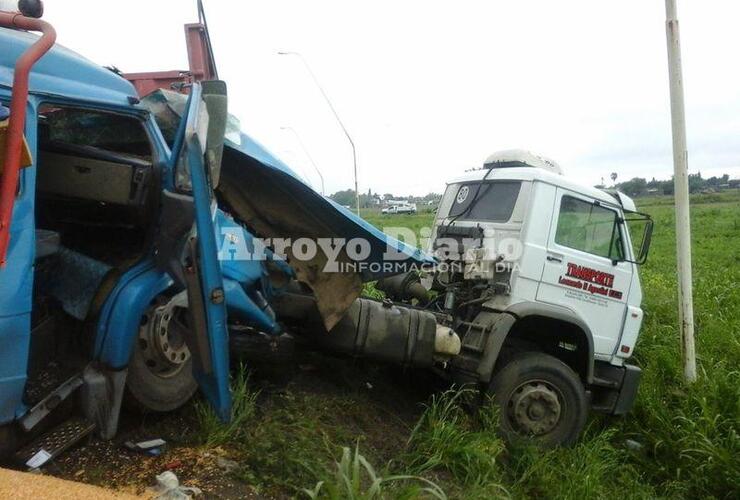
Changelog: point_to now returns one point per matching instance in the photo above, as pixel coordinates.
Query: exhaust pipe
(18, 102)
(404, 287)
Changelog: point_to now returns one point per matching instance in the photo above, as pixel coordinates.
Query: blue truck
(121, 282)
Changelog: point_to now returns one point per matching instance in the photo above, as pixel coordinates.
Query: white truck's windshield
(489, 201)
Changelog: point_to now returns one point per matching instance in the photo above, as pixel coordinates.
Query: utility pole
(336, 116)
(681, 194)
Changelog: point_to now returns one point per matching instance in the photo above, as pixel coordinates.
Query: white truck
(536, 290)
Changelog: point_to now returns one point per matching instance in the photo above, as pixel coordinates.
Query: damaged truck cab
(107, 255)
(119, 284)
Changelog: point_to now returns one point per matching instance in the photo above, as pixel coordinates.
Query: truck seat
(47, 243)
(73, 279)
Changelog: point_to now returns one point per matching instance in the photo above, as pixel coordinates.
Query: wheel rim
(535, 407)
(161, 339)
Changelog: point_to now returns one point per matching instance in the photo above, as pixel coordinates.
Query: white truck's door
(583, 271)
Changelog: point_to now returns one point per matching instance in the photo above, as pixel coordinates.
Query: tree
(696, 183)
(346, 197)
(667, 186)
(636, 186)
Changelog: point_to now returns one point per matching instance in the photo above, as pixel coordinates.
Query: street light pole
(681, 192)
(339, 120)
(308, 155)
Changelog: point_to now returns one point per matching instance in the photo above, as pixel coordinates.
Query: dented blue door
(208, 340)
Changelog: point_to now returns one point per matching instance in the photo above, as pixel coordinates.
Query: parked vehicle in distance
(399, 207)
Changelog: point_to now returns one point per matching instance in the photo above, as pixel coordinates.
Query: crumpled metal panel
(273, 201)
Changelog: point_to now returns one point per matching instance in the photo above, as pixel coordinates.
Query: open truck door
(188, 249)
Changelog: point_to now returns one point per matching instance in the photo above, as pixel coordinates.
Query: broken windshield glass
(93, 129)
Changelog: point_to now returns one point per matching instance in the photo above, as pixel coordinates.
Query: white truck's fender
(506, 320)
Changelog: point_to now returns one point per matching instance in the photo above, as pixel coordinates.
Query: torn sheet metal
(268, 197)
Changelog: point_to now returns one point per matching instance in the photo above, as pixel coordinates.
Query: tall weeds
(454, 441)
(213, 432)
(356, 479)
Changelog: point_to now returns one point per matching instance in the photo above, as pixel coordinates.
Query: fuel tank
(390, 333)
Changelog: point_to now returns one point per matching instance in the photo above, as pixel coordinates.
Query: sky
(428, 89)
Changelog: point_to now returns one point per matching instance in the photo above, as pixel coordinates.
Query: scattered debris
(633, 445)
(226, 464)
(327, 397)
(153, 447)
(175, 464)
(168, 488)
(38, 459)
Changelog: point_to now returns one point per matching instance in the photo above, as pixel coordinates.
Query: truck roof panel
(538, 174)
(62, 72)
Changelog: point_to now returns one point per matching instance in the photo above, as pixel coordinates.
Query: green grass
(447, 439)
(690, 432)
(355, 479)
(418, 224)
(684, 440)
(212, 432)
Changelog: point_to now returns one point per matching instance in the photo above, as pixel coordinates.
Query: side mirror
(647, 238)
(215, 97)
(637, 223)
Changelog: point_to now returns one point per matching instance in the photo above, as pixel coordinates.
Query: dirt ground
(351, 401)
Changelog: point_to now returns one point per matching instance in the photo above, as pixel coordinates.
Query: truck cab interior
(93, 206)
(94, 171)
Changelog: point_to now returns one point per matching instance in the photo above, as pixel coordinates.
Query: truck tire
(160, 373)
(540, 398)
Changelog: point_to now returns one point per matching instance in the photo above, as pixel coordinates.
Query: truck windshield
(81, 128)
(491, 201)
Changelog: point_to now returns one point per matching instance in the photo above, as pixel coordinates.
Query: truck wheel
(540, 398)
(160, 374)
